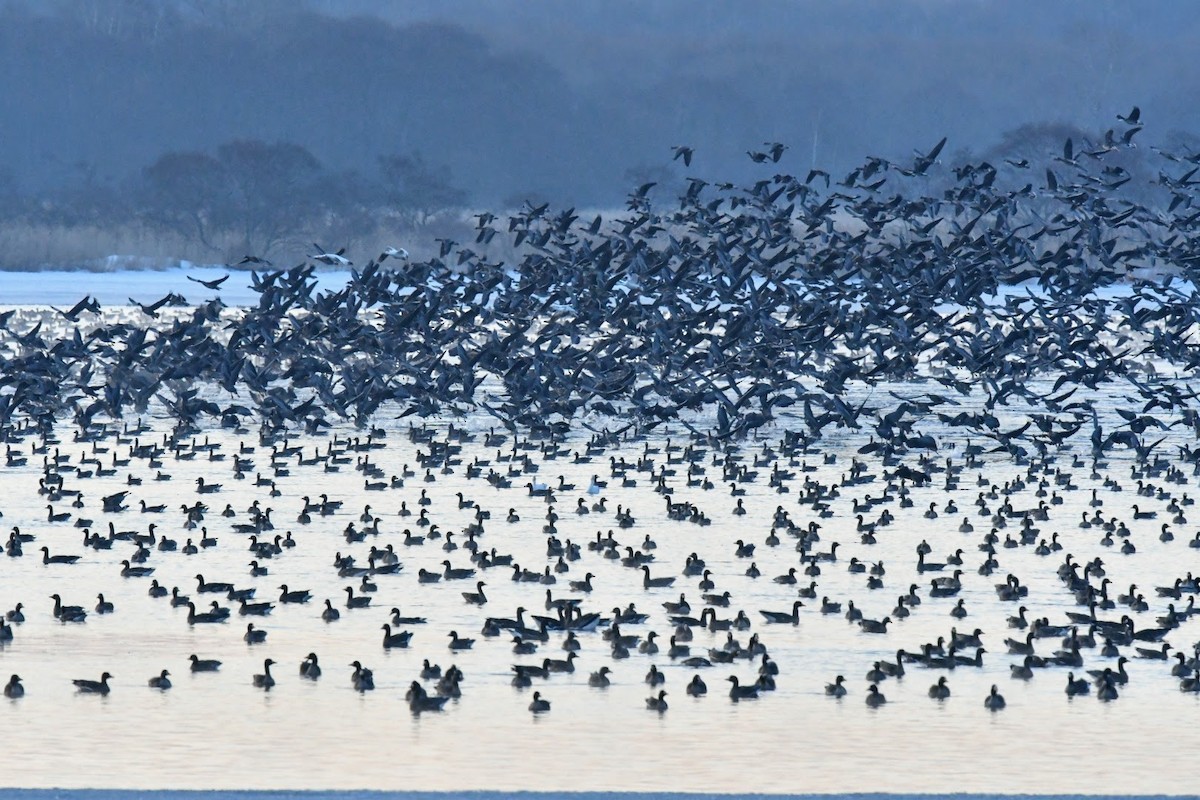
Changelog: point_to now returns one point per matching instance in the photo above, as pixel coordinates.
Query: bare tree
(417, 190)
(252, 197)
(186, 192)
(271, 191)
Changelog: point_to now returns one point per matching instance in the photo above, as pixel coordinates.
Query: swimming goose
(539, 704)
(1076, 686)
(253, 635)
(656, 583)
(93, 687)
(994, 701)
(460, 644)
(160, 681)
(399, 639)
(837, 688)
(309, 668)
(654, 677)
(453, 574)
(362, 679)
(600, 679)
(13, 689)
(399, 621)
(356, 602)
(560, 664)
(419, 700)
(738, 692)
(293, 595)
(1024, 670)
(265, 681)
(875, 697)
(204, 665)
(477, 597)
(939, 691)
(657, 703)
(67, 613)
(59, 559)
(784, 617)
(212, 588)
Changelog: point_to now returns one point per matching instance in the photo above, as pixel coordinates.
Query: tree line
(243, 197)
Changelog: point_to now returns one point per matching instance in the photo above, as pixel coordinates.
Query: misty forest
(208, 130)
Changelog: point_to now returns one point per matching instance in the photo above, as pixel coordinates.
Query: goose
(939, 691)
(680, 607)
(560, 664)
(738, 692)
(696, 688)
(203, 664)
(13, 690)
(457, 643)
(584, 585)
(522, 647)
(362, 601)
(84, 686)
(58, 559)
(718, 600)
(103, 606)
(213, 588)
(294, 595)
(420, 701)
(784, 617)
(658, 703)
(130, 571)
(994, 701)
(655, 583)
(160, 681)
(67, 613)
(875, 697)
(477, 597)
(399, 620)
(1019, 620)
(837, 688)
(309, 668)
(599, 679)
(264, 680)
(397, 640)
(254, 635)
(362, 679)
(788, 578)
(206, 617)
(1076, 686)
(454, 574)
(254, 609)
(1024, 670)
(539, 704)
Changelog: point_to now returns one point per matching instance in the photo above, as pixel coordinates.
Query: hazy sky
(572, 99)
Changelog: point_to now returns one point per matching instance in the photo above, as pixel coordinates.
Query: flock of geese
(869, 502)
(852, 355)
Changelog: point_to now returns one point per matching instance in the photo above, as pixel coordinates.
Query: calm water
(218, 731)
